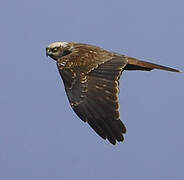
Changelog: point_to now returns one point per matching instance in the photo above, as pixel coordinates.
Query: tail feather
(135, 64)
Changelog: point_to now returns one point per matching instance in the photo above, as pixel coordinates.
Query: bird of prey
(91, 79)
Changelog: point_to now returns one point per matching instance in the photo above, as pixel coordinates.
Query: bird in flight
(91, 79)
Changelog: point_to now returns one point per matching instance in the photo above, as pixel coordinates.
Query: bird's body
(91, 78)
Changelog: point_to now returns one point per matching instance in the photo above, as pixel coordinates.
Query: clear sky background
(42, 138)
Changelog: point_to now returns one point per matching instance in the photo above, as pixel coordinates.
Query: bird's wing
(94, 97)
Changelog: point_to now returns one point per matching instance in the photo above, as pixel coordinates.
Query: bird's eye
(54, 49)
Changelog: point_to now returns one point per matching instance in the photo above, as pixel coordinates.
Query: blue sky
(42, 138)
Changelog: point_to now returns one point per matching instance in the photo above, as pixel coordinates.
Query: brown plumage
(91, 78)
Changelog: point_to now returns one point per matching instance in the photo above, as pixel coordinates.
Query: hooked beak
(47, 52)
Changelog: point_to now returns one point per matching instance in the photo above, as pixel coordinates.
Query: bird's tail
(135, 64)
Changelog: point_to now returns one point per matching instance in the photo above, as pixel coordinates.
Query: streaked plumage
(91, 78)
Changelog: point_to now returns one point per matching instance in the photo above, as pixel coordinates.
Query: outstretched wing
(94, 97)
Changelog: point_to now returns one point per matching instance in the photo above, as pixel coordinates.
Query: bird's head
(58, 49)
